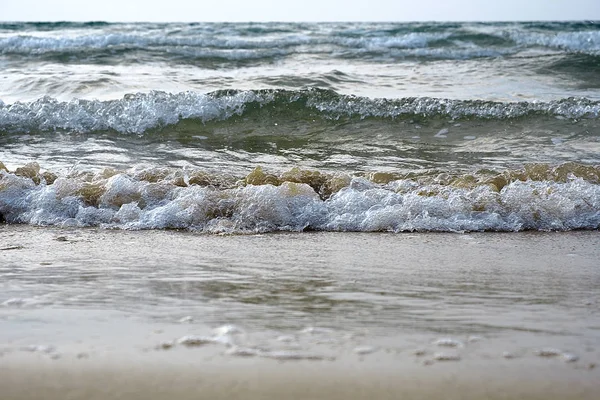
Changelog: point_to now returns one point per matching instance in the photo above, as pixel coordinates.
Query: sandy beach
(158, 377)
(98, 314)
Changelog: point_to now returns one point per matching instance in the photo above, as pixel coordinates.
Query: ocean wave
(143, 112)
(181, 49)
(581, 42)
(405, 41)
(50, 26)
(134, 113)
(29, 44)
(462, 52)
(565, 197)
(40, 45)
(358, 40)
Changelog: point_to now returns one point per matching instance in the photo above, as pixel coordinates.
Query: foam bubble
(448, 342)
(446, 357)
(363, 350)
(228, 330)
(194, 340)
(40, 348)
(242, 351)
(548, 352)
(570, 357)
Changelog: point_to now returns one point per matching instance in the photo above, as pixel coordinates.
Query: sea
(262, 127)
(382, 201)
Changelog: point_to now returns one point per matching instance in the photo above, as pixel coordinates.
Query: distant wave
(360, 41)
(583, 42)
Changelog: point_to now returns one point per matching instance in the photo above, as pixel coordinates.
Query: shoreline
(96, 314)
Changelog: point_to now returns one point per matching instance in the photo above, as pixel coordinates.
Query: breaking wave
(538, 197)
(141, 113)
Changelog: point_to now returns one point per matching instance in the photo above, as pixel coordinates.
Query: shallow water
(319, 295)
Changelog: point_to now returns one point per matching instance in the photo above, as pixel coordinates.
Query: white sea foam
(134, 113)
(363, 206)
(193, 340)
(364, 350)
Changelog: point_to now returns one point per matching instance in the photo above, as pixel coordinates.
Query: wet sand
(157, 377)
(96, 314)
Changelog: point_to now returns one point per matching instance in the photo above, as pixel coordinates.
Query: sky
(298, 10)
